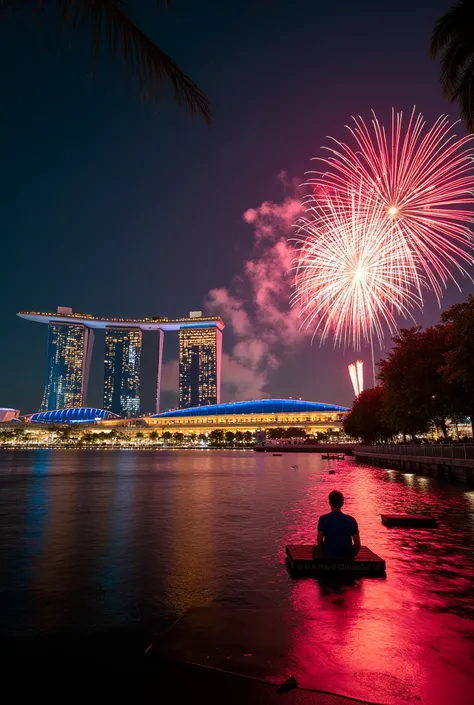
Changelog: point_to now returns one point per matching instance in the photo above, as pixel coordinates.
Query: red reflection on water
(376, 639)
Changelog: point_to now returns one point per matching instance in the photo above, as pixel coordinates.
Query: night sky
(115, 207)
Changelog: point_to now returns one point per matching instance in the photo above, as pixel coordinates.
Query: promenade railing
(430, 450)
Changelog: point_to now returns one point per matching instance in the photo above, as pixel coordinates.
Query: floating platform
(277, 454)
(331, 472)
(366, 563)
(410, 521)
(333, 457)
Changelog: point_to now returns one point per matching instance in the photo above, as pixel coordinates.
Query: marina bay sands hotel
(70, 343)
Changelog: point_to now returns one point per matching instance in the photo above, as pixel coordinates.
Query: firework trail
(356, 373)
(421, 179)
(354, 272)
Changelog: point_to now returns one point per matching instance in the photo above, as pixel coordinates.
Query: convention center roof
(259, 406)
(83, 414)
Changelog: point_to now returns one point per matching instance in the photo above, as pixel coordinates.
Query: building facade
(253, 415)
(122, 357)
(200, 353)
(7, 414)
(68, 362)
(70, 341)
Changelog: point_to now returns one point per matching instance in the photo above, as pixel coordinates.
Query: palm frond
(454, 35)
(112, 25)
(453, 63)
(465, 95)
(449, 25)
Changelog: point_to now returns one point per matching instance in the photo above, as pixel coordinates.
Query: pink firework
(354, 273)
(421, 179)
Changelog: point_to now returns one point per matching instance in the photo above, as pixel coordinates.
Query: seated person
(338, 533)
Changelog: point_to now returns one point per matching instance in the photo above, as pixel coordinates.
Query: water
(110, 547)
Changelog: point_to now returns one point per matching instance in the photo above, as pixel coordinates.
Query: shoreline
(118, 447)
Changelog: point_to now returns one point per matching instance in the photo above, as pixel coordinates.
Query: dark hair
(336, 499)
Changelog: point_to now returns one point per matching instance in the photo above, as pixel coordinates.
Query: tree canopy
(458, 365)
(417, 395)
(366, 419)
(426, 381)
(291, 432)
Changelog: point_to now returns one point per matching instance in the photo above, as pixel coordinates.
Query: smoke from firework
(255, 308)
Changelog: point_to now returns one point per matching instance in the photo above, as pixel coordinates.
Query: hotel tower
(70, 343)
(200, 352)
(123, 348)
(68, 360)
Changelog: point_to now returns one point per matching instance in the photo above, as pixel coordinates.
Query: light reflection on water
(410, 634)
(95, 540)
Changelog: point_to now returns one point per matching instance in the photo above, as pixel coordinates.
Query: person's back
(338, 533)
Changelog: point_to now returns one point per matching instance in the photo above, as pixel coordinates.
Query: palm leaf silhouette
(453, 39)
(112, 26)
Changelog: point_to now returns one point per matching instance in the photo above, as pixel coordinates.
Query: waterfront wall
(450, 462)
(297, 447)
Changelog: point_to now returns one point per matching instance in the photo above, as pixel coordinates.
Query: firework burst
(421, 179)
(353, 271)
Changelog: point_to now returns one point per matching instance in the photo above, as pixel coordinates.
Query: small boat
(294, 467)
(331, 472)
(276, 455)
(333, 457)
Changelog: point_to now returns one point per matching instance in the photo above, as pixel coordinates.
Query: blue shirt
(338, 530)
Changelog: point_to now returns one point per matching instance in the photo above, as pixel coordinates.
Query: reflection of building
(70, 348)
(69, 354)
(122, 370)
(199, 366)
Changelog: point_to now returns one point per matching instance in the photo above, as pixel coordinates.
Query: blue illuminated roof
(259, 406)
(81, 414)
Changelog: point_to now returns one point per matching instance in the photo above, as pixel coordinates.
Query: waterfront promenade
(453, 462)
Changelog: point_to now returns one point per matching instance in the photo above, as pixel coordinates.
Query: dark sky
(114, 207)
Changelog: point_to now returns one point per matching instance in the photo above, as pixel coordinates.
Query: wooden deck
(422, 521)
(301, 562)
